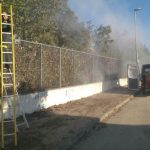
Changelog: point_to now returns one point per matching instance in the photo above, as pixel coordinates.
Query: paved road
(127, 130)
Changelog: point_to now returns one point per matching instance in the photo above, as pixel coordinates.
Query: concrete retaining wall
(37, 101)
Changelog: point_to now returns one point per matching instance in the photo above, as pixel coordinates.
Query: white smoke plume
(122, 23)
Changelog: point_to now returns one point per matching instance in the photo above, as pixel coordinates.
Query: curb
(113, 111)
(88, 127)
(104, 118)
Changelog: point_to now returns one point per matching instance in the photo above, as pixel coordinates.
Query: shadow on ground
(116, 137)
(140, 93)
(120, 90)
(49, 131)
(61, 127)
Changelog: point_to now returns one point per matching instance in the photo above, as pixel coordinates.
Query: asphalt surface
(129, 129)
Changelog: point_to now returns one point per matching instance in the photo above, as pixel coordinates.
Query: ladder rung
(6, 23)
(7, 121)
(7, 73)
(7, 108)
(6, 14)
(5, 68)
(9, 96)
(10, 134)
(6, 32)
(7, 62)
(7, 52)
(6, 77)
(8, 85)
(6, 42)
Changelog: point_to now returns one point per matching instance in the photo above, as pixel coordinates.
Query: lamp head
(137, 9)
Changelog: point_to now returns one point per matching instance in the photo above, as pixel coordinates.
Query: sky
(117, 13)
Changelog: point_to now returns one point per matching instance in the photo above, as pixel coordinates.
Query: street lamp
(136, 49)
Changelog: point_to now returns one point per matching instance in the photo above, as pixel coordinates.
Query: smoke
(121, 21)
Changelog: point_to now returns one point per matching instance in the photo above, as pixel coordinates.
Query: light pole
(136, 49)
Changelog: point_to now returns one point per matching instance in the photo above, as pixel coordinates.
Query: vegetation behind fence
(40, 67)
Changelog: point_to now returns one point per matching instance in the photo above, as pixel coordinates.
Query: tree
(49, 21)
(35, 20)
(103, 39)
(70, 32)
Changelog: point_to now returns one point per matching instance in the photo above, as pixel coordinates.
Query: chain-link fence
(40, 67)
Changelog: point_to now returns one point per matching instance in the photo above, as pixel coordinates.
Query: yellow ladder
(9, 93)
(4, 76)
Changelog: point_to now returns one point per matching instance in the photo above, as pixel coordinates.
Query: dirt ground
(59, 127)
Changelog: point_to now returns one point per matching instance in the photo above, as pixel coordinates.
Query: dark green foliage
(49, 21)
(34, 20)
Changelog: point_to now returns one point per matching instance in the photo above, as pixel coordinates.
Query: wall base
(37, 101)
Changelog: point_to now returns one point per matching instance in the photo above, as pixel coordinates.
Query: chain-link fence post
(73, 82)
(41, 69)
(92, 68)
(60, 68)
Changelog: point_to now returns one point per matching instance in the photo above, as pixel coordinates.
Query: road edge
(117, 108)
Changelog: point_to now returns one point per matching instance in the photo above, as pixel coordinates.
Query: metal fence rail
(40, 66)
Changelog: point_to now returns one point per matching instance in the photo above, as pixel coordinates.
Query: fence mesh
(82, 68)
(28, 66)
(67, 69)
(41, 67)
(50, 67)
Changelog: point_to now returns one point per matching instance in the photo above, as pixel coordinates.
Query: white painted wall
(37, 101)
